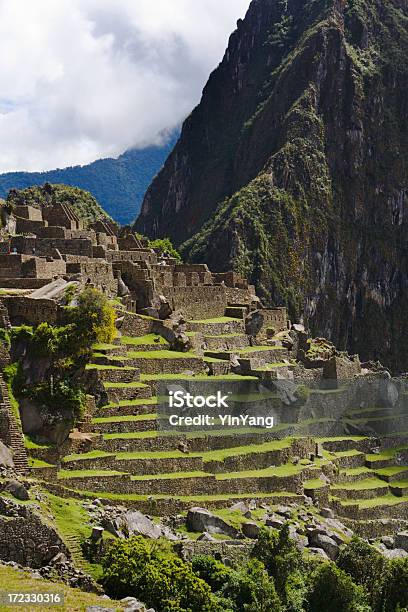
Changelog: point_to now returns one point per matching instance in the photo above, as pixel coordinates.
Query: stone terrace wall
(26, 540)
(28, 226)
(23, 309)
(28, 212)
(26, 266)
(197, 302)
(235, 295)
(97, 272)
(46, 247)
(143, 255)
(38, 267)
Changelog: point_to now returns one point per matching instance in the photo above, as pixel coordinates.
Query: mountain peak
(293, 168)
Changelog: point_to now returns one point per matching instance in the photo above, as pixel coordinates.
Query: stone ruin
(52, 249)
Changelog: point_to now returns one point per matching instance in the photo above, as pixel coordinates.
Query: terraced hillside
(121, 455)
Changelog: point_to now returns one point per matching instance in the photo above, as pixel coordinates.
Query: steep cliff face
(293, 168)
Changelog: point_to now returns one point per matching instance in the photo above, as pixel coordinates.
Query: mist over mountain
(117, 184)
(293, 168)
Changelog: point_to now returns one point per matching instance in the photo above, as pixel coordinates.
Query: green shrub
(23, 333)
(215, 573)
(366, 566)
(165, 245)
(61, 395)
(93, 319)
(395, 586)
(139, 568)
(331, 586)
(5, 338)
(14, 377)
(279, 554)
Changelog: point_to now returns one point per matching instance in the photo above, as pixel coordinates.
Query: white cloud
(83, 79)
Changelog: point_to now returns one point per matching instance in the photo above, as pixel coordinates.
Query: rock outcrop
(293, 168)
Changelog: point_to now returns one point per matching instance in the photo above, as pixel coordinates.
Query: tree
(215, 573)
(279, 554)
(165, 245)
(366, 566)
(264, 595)
(94, 319)
(395, 586)
(139, 568)
(333, 589)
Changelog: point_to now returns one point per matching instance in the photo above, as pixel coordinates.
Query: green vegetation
(62, 474)
(165, 245)
(85, 456)
(162, 354)
(157, 576)
(125, 418)
(64, 350)
(331, 584)
(84, 204)
(140, 340)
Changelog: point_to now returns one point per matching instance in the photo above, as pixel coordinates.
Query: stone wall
(137, 325)
(25, 539)
(237, 552)
(28, 311)
(48, 247)
(199, 302)
(138, 466)
(165, 505)
(28, 212)
(99, 273)
(27, 226)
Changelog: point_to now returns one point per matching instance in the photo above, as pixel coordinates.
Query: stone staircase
(15, 435)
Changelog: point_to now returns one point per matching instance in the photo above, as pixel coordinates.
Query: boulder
(6, 456)
(274, 522)
(134, 522)
(320, 552)
(181, 342)
(388, 541)
(401, 540)
(200, 519)
(396, 553)
(97, 533)
(250, 530)
(284, 511)
(340, 527)
(327, 513)
(240, 507)
(17, 490)
(206, 537)
(164, 308)
(328, 544)
(46, 424)
(131, 604)
(301, 540)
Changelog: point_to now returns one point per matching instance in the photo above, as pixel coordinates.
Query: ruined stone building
(52, 249)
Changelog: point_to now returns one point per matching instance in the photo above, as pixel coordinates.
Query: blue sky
(84, 79)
